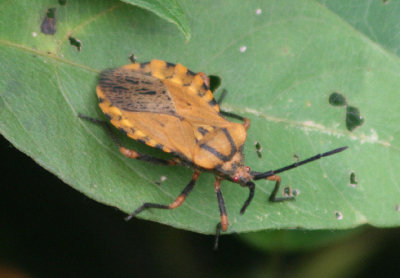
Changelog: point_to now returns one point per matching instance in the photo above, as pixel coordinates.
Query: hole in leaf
(353, 180)
(48, 25)
(75, 42)
(397, 207)
(258, 147)
(295, 158)
(353, 118)
(338, 215)
(385, 2)
(289, 192)
(51, 13)
(215, 82)
(337, 99)
(62, 2)
(132, 58)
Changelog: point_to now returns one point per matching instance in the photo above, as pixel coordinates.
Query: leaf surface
(279, 61)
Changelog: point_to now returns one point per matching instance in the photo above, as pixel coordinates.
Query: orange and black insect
(168, 107)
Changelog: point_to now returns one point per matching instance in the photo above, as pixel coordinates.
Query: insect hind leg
(178, 201)
(246, 121)
(125, 151)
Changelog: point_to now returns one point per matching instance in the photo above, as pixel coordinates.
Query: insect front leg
(273, 197)
(125, 151)
(178, 201)
(223, 225)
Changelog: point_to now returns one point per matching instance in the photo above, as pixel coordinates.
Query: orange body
(171, 108)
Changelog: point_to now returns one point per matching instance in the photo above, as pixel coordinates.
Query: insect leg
(246, 122)
(273, 197)
(127, 152)
(222, 96)
(223, 225)
(178, 201)
(252, 188)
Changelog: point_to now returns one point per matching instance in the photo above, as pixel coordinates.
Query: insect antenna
(261, 175)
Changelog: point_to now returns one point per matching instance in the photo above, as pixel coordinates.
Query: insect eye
(248, 169)
(236, 178)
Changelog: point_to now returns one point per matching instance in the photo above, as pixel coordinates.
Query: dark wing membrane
(136, 91)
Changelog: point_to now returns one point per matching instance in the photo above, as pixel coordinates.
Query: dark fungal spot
(62, 2)
(101, 100)
(108, 116)
(205, 87)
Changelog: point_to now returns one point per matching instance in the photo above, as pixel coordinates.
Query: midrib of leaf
(308, 125)
(46, 55)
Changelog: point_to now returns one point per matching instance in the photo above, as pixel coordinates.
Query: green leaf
(378, 20)
(279, 61)
(169, 10)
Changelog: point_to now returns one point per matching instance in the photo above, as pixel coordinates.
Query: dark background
(47, 229)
